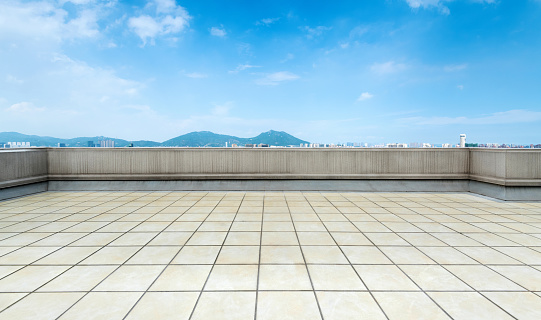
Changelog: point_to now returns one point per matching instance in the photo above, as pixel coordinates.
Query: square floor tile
(335, 277)
(243, 239)
(79, 278)
(232, 277)
(130, 278)
(409, 305)
(468, 305)
(182, 278)
(385, 278)
(482, 278)
(284, 277)
(41, 306)
(324, 255)
(103, 305)
(365, 255)
(348, 305)
(281, 255)
(276, 305)
(197, 255)
(225, 305)
(164, 305)
(434, 278)
(238, 255)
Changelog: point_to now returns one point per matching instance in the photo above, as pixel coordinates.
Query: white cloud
(24, 107)
(218, 31)
(365, 96)
(13, 80)
(387, 67)
(242, 67)
(455, 67)
(222, 110)
(314, 32)
(276, 78)
(168, 18)
(267, 21)
(196, 75)
(45, 22)
(289, 56)
(460, 87)
(439, 4)
(505, 117)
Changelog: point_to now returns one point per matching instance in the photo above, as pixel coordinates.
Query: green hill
(192, 139)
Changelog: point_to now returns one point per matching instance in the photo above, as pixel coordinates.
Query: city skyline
(379, 72)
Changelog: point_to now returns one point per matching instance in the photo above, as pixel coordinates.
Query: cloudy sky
(325, 71)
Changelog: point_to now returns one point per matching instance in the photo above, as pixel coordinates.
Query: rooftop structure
(116, 237)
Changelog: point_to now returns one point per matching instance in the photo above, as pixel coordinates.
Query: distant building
(61, 145)
(107, 143)
(426, 145)
(462, 140)
(91, 144)
(397, 145)
(249, 145)
(263, 145)
(446, 145)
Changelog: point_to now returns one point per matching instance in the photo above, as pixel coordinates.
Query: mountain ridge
(191, 139)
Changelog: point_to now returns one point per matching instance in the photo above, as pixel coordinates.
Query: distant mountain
(193, 139)
(210, 139)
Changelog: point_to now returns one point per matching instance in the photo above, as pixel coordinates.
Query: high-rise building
(107, 143)
(462, 140)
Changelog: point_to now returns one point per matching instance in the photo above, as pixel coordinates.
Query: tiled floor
(273, 255)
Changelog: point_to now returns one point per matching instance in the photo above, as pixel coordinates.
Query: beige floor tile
(487, 255)
(279, 239)
(96, 239)
(284, 277)
(207, 238)
(386, 239)
(493, 240)
(525, 276)
(310, 226)
(408, 305)
(110, 255)
(243, 239)
(300, 216)
(120, 226)
(447, 255)
(249, 216)
(385, 277)
(348, 305)
(335, 277)
(197, 255)
(67, 256)
(523, 239)
(369, 227)
(456, 239)
(239, 255)
(350, 239)
(103, 305)
(315, 239)
(468, 305)
(522, 254)
(134, 239)
(188, 226)
(215, 226)
(87, 226)
(30, 278)
(402, 227)
(170, 239)
(278, 226)
(433, 227)
(150, 227)
(164, 305)
(130, 278)
(7, 299)
(6, 270)
(245, 226)
(182, 278)
(434, 278)
(79, 278)
(422, 239)
(324, 255)
(232, 277)
(281, 255)
(521, 305)
(277, 217)
(406, 255)
(482, 278)
(59, 239)
(340, 226)
(365, 255)
(290, 305)
(26, 255)
(154, 255)
(225, 305)
(41, 306)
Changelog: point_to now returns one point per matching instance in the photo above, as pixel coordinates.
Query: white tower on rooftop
(463, 140)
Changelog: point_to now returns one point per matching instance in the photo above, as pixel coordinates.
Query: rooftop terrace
(269, 255)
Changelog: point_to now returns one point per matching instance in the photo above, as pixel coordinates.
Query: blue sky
(324, 71)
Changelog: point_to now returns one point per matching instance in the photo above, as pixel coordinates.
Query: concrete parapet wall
(506, 174)
(222, 163)
(22, 166)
